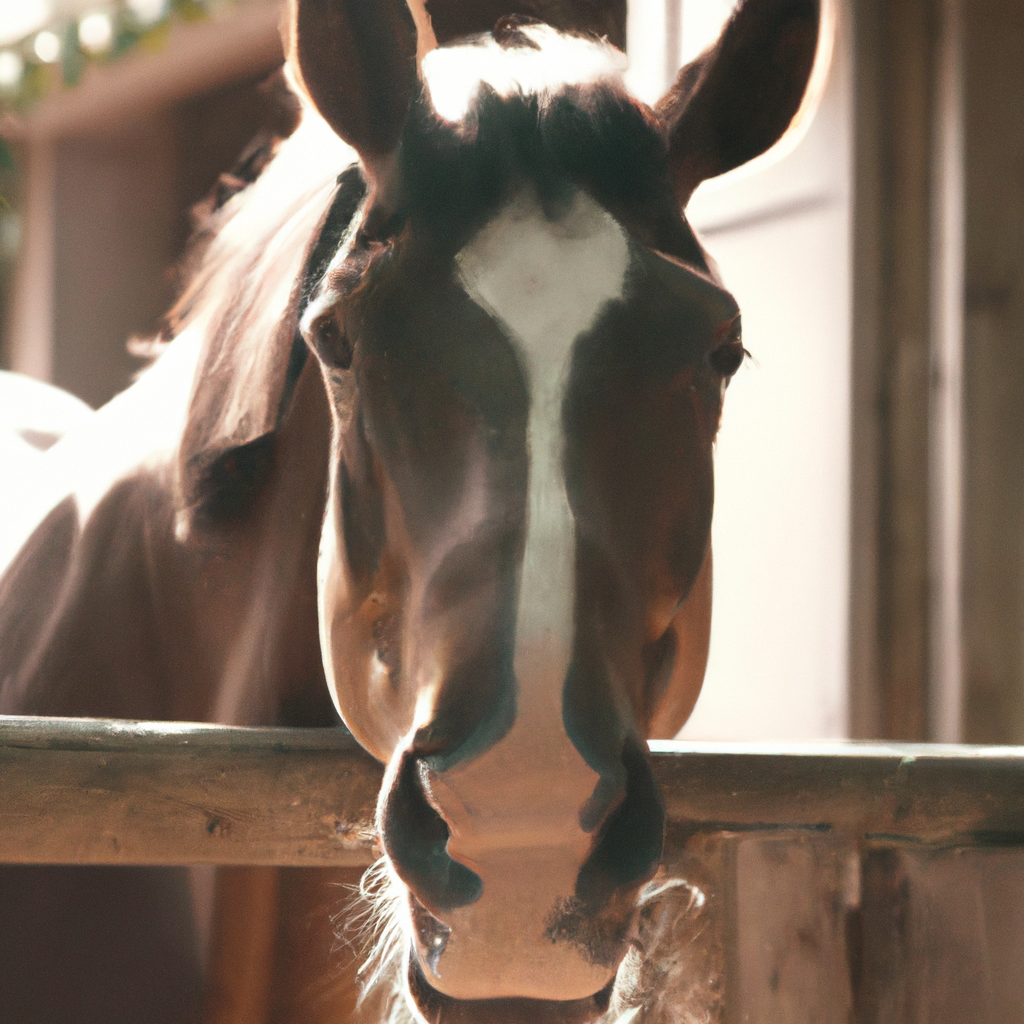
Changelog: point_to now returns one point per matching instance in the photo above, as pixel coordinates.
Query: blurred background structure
(869, 533)
(109, 167)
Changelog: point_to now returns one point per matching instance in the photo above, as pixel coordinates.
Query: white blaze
(546, 282)
(513, 812)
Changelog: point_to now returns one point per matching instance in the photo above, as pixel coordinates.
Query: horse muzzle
(523, 938)
(437, 1008)
(517, 889)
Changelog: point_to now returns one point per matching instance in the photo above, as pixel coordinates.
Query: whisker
(372, 924)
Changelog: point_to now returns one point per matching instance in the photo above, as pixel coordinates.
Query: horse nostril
(630, 843)
(415, 838)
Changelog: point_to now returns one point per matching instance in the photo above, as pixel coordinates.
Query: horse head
(525, 351)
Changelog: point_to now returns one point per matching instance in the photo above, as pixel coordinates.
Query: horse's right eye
(330, 342)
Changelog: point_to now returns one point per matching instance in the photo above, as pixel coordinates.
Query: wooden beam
(196, 58)
(95, 792)
(79, 791)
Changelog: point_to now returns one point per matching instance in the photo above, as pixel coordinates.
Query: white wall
(781, 234)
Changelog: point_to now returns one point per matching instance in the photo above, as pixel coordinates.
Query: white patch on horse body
(454, 74)
(33, 416)
(545, 282)
(89, 460)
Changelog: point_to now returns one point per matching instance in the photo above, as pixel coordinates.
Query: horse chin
(436, 1008)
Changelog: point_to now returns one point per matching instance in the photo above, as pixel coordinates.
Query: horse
(428, 450)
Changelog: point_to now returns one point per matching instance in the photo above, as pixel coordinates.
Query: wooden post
(895, 87)
(994, 371)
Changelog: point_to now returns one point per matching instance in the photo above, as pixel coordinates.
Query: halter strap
(348, 196)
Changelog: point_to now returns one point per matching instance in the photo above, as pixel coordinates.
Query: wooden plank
(939, 937)
(77, 791)
(791, 900)
(92, 792)
(940, 795)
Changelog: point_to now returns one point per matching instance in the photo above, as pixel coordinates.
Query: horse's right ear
(738, 98)
(357, 61)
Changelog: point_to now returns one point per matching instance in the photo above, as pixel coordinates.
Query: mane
(243, 299)
(531, 104)
(247, 250)
(254, 231)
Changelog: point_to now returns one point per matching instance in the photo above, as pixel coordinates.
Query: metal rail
(86, 791)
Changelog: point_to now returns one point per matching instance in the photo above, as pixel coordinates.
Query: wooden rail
(80, 791)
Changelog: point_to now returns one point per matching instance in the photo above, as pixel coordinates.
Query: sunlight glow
(454, 75)
(11, 68)
(95, 32)
(147, 11)
(20, 18)
(10, 235)
(47, 47)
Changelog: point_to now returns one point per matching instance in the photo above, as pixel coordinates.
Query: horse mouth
(437, 1008)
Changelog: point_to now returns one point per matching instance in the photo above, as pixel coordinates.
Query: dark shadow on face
(641, 413)
(435, 461)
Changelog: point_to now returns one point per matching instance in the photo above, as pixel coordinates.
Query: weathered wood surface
(79, 791)
(938, 795)
(101, 792)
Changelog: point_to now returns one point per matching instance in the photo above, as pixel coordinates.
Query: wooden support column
(897, 257)
(994, 372)
(937, 618)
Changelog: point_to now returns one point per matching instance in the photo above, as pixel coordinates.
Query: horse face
(526, 355)
(525, 403)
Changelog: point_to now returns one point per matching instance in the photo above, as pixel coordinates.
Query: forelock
(554, 114)
(544, 62)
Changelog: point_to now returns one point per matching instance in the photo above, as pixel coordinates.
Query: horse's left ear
(739, 97)
(357, 60)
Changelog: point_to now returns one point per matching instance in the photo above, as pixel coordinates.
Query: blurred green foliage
(10, 231)
(38, 78)
(6, 172)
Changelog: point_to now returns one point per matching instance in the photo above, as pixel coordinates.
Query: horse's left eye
(727, 358)
(728, 353)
